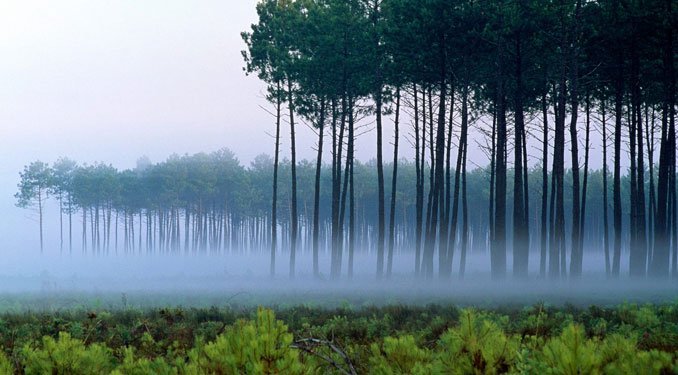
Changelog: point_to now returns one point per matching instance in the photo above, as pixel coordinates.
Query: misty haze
(331, 186)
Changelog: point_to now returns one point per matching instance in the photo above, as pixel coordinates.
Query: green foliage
(132, 365)
(258, 347)
(476, 346)
(66, 355)
(377, 340)
(571, 353)
(34, 184)
(399, 355)
(6, 367)
(620, 355)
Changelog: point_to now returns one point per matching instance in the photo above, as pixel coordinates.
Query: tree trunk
(61, 225)
(544, 190)
(463, 145)
(40, 218)
(616, 183)
(454, 220)
(348, 185)
(587, 148)
(438, 187)
(575, 255)
(638, 261)
(419, 185)
(498, 256)
(606, 230)
(520, 230)
(394, 181)
(294, 218)
(316, 196)
(380, 189)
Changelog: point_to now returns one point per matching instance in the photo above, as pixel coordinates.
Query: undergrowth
(539, 339)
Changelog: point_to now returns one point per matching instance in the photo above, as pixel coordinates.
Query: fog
(53, 281)
(57, 279)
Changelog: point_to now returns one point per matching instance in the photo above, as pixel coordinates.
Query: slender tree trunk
(380, 189)
(638, 261)
(344, 191)
(426, 262)
(394, 181)
(454, 220)
(493, 164)
(616, 183)
(419, 185)
(117, 223)
(84, 230)
(348, 185)
(70, 224)
(438, 186)
(575, 255)
(544, 189)
(498, 256)
(652, 204)
(40, 199)
(294, 216)
(557, 254)
(351, 203)
(464, 198)
(665, 237)
(462, 156)
(316, 197)
(587, 148)
(445, 245)
(606, 230)
(520, 230)
(61, 225)
(337, 203)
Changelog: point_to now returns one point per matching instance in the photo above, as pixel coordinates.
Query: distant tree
(34, 189)
(61, 187)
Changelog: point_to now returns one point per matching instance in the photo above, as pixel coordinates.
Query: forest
(440, 187)
(211, 204)
(503, 78)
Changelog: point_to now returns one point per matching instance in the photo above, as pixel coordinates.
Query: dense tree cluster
(557, 68)
(211, 204)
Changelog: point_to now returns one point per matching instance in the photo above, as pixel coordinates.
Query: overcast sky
(114, 80)
(111, 81)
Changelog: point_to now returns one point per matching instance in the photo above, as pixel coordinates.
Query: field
(132, 334)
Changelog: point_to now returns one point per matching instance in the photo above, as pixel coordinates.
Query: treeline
(211, 204)
(512, 71)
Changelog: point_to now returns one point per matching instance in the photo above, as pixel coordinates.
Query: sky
(115, 80)
(111, 81)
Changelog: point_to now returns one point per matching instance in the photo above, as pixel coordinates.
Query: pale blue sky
(113, 80)
(99, 80)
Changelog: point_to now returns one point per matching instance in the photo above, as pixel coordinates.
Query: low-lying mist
(62, 281)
